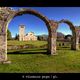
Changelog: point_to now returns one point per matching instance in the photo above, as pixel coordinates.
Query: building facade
(22, 37)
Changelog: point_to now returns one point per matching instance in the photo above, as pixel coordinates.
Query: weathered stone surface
(7, 14)
(15, 47)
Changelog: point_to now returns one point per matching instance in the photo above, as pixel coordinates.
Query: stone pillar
(75, 40)
(3, 48)
(49, 51)
(53, 42)
(77, 43)
(52, 38)
(3, 43)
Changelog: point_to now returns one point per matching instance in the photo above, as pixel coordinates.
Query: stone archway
(6, 15)
(73, 29)
(53, 35)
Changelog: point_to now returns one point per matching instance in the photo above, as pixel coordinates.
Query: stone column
(75, 40)
(49, 51)
(77, 43)
(52, 38)
(3, 48)
(53, 42)
(3, 42)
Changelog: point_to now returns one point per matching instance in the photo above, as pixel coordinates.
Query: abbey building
(26, 37)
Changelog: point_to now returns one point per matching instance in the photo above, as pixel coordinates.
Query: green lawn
(36, 60)
(35, 43)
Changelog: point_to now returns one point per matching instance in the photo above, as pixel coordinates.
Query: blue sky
(36, 25)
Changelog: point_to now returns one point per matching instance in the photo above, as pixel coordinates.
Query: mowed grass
(35, 43)
(36, 60)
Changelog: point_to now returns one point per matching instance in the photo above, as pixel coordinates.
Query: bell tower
(21, 32)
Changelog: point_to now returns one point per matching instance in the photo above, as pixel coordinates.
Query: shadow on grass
(33, 51)
(64, 48)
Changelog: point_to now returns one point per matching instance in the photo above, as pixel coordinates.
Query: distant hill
(60, 37)
(42, 37)
(59, 34)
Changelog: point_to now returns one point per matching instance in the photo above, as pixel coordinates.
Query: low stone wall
(15, 47)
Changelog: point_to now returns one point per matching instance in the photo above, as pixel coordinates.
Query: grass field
(36, 60)
(35, 43)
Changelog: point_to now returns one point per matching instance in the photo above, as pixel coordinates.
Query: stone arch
(69, 23)
(19, 12)
(29, 11)
(32, 12)
(53, 35)
(7, 14)
(73, 29)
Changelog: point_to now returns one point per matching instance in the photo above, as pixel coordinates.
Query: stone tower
(21, 32)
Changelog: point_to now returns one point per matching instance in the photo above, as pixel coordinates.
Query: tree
(40, 38)
(17, 37)
(9, 37)
(43, 37)
(68, 37)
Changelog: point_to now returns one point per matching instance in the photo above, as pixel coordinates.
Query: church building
(29, 36)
